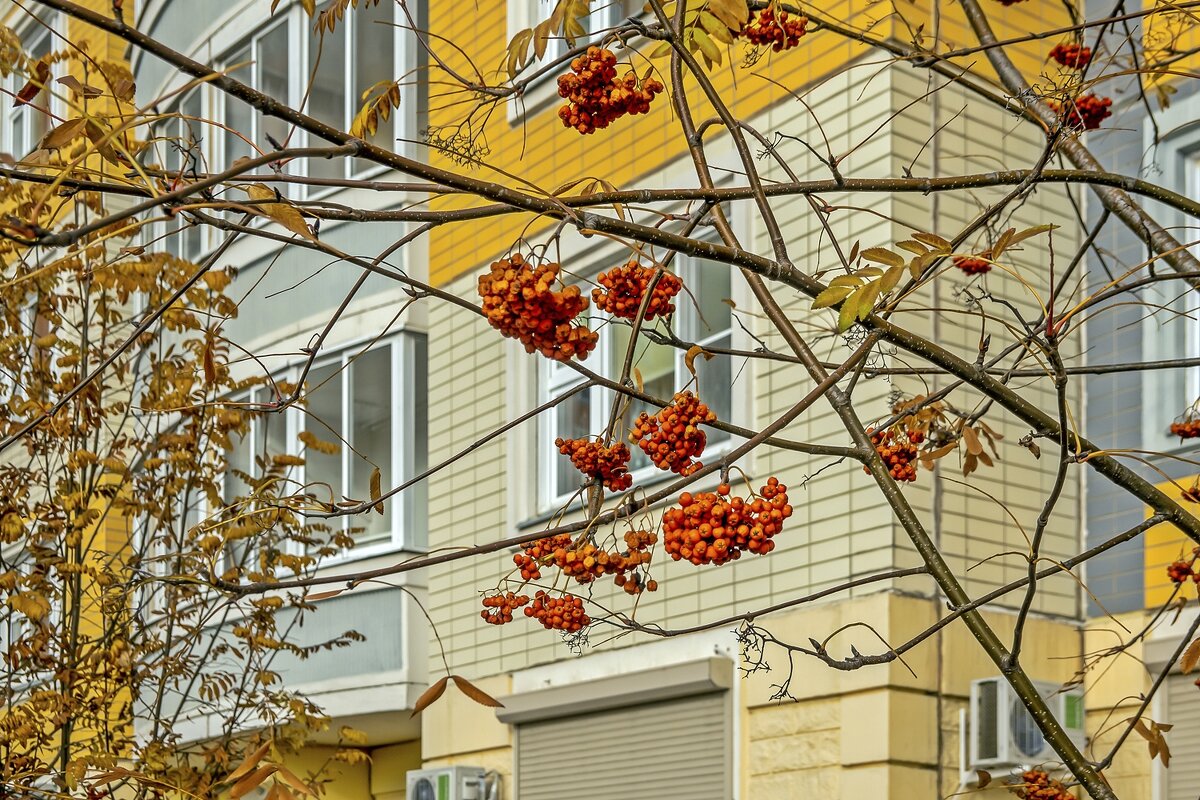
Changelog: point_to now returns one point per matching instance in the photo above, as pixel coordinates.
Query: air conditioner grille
(987, 746)
(1026, 735)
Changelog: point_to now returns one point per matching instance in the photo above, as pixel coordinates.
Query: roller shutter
(674, 750)
(1183, 701)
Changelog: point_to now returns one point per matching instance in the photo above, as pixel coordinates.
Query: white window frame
(408, 529)
(401, 125)
(1191, 183)
(26, 30)
(553, 378)
(1178, 160)
(169, 233)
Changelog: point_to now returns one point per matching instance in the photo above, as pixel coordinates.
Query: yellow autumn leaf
(269, 204)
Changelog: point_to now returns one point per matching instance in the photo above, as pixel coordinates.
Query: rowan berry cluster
(1036, 784)
(609, 464)
(672, 438)
(625, 286)
(519, 301)
(898, 451)
(712, 528)
(1188, 429)
(973, 265)
(1086, 111)
(1071, 55)
(1180, 571)
(780, 31)
(587, 562)
(1192, 495)
(595, 96)
(498, 608)
(558, 613)
(541, 551)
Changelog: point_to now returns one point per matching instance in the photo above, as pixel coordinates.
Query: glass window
(703, 317)
(324, 421)
(374, 62)
(178, 142)
(238, 117)
(337, 68)
(371, 399)
(271, 65)
(327, 92)
(371, 407)
(29, 122)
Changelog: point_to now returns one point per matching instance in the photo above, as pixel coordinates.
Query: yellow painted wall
(864, 733)
(537, 148)
(1164, 544)
(389, 768)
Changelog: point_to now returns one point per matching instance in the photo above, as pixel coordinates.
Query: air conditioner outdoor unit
(1003, 734)
(446, 783)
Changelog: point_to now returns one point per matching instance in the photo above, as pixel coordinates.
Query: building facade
(667, 715)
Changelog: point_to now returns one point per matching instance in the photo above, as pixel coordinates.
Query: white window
(1172, 332)
(28, 123)
(369, 46)
(372, 405)
(179, 149)
(706, 320)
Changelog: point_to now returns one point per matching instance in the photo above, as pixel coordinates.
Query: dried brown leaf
(1190, 657)
(252, 781)
(475, 693)
(430, 696)
(249, 763)
(377, 489)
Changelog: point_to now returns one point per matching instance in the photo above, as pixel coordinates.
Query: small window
(28, 123)
(179, 148)
(369, 410)
(347, 64)
(706, 320)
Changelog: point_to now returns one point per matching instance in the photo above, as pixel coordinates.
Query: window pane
(190, 130)
(323, 419)
(239, 458)
(20, 148)
(656, 363)
(166, 145)
(371, 417)
(374, 43)
(716, 387)
(239, 119)
(705, 307)
(327, 96)
(274, 430)
(189, 244)
(572, 420)
(271, 72)
(418, 496)
(38, 111)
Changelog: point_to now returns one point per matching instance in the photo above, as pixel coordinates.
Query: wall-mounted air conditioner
(1003, 734)
(447, 783)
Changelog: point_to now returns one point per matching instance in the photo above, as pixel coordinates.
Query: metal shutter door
(1183, 701)
(675, 750)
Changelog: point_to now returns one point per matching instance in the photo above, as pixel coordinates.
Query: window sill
(368, 552)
